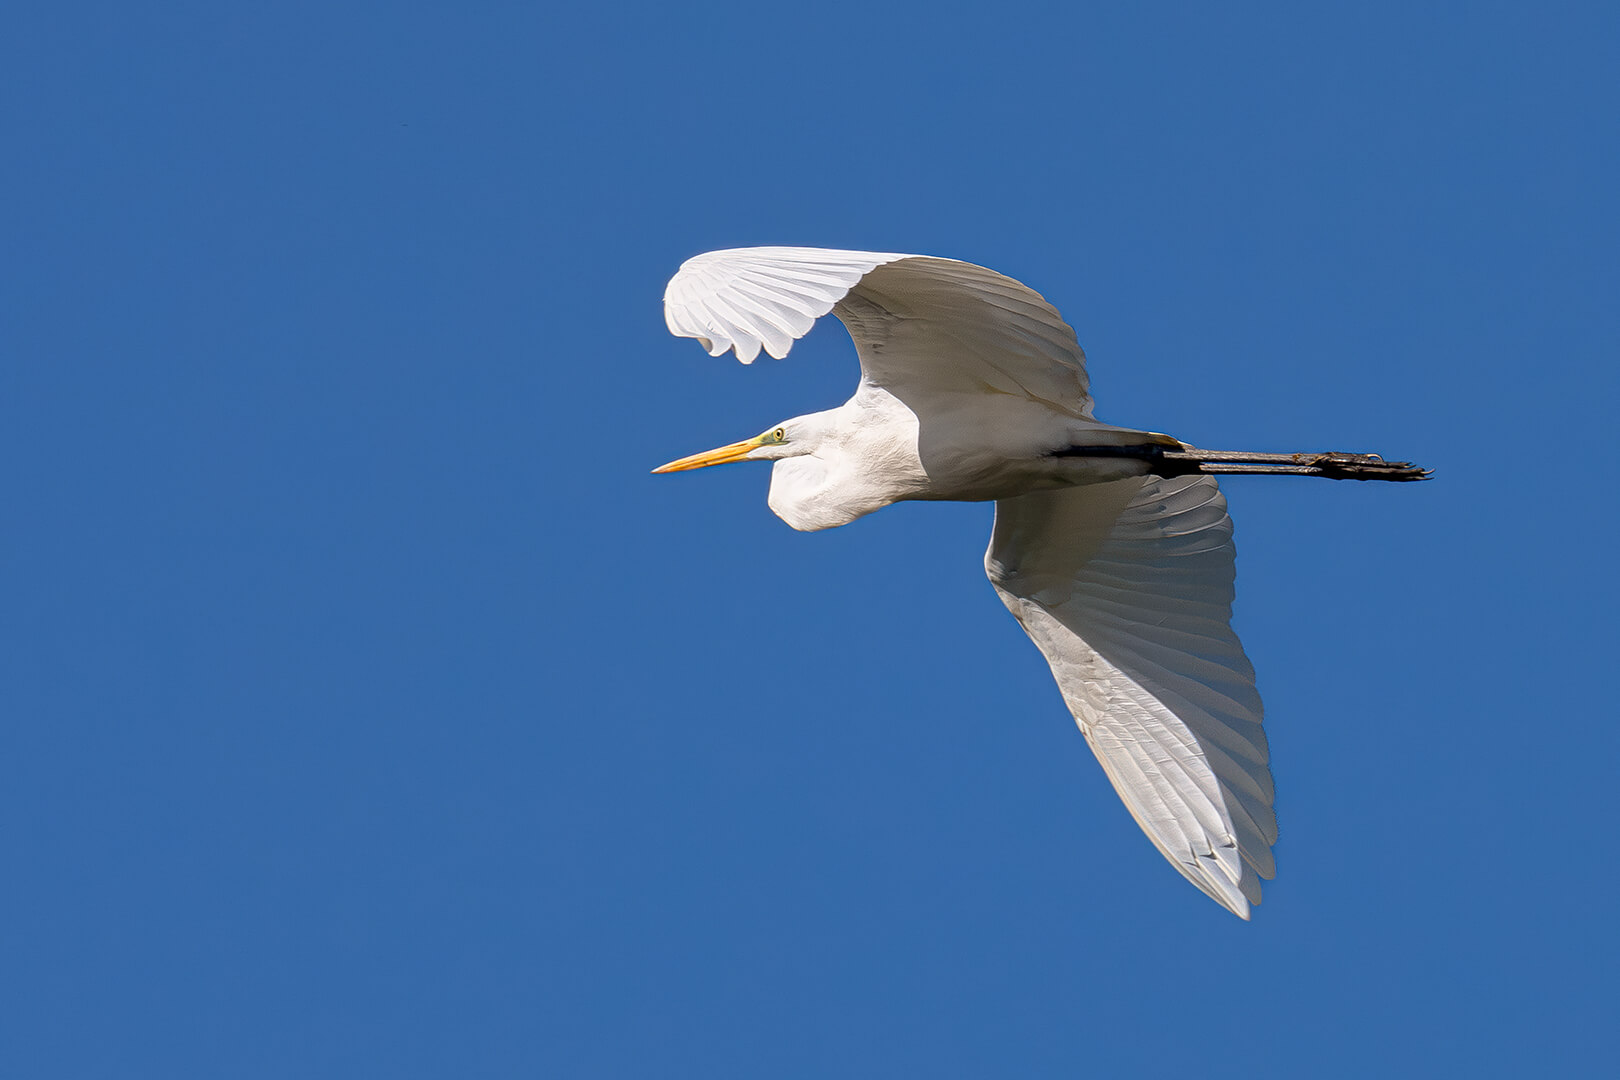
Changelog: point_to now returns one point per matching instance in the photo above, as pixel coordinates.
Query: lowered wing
(1126, 588)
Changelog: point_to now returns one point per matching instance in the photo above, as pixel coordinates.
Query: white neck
(863, 457)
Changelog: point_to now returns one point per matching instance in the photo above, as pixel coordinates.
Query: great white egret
(1111, 546)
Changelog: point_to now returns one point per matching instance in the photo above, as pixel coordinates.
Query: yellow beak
(737, 451)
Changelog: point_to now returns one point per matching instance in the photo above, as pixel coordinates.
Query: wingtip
(1229, 898)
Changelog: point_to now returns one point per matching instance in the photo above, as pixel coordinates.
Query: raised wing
(922, 325)
(1126, 587)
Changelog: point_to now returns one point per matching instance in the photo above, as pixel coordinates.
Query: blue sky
(369, 710)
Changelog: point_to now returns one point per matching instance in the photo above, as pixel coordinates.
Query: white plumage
(1111, 546)
(1126, 588)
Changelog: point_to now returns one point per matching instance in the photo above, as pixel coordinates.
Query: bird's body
(869, 456)
(1111, 546)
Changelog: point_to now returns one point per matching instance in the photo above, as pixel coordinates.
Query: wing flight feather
(744, 298)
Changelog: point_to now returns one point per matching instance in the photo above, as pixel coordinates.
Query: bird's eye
(779, 435)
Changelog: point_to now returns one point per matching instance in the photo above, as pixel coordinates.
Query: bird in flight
(1111, 546)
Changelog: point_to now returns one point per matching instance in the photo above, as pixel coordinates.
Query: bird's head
(813, 485)
(787, 439)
